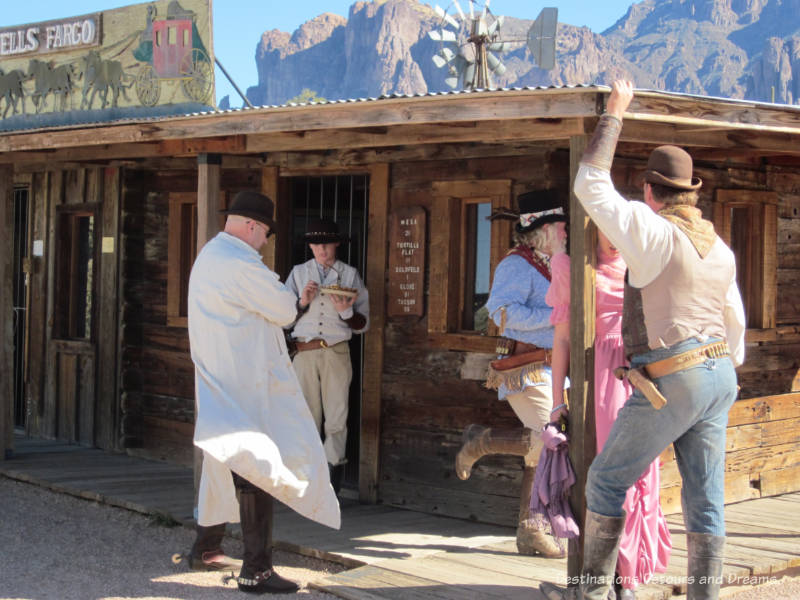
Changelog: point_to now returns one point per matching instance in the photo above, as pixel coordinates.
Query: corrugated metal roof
(245, 109)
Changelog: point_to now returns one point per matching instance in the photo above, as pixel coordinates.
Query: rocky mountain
(730, 48)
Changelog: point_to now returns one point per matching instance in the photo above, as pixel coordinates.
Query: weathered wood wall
(157, 387)
(427, 401)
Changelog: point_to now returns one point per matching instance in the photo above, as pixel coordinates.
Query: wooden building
(100, 224)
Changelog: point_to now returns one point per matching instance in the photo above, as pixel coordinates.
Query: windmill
(469, 43)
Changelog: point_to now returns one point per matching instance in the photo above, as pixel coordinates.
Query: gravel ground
(60, 547)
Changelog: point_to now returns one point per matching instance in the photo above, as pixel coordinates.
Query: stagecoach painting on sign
(141, 60)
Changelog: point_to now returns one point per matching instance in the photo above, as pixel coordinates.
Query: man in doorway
(257, 436)
(326, 322)
(683, 327)
(517, 305)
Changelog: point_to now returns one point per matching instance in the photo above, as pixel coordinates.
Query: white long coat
(251, 415)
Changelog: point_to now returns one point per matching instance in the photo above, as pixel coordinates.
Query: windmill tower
(469, 43)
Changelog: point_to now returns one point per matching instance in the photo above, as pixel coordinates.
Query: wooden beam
(467, 108)
(108, 400)
(208, 197)
(736, 138)
(355, 158)
(208, 205)
(372, 377)
(583, 240)
(7, 310)
(269, 187)
(433, 133)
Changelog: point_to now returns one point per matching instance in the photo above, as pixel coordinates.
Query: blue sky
(238, 24)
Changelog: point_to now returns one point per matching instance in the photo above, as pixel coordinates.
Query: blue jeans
(694, 420)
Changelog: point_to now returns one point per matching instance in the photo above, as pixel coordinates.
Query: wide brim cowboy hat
(323, 231)
(253, 205)
(672, 167)
(537, 208)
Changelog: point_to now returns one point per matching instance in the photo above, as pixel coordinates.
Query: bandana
(537, 260)
(690, 221)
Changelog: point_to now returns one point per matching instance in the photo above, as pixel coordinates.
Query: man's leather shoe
(214, 561)
(267, 582)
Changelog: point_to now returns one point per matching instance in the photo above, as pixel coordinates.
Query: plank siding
(156, 371)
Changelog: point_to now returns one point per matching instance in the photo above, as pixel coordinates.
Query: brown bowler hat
(253, 206)
(672, 167)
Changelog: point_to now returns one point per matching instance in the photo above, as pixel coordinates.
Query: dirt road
(56, 547)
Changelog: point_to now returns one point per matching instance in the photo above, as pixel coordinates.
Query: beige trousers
(325, 375)
(532, 406)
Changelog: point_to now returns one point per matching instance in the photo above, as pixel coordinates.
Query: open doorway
(344, 199)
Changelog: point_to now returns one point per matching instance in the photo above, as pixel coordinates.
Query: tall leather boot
(600, 549)
(531, 540)
(478, 441)
(207, 554)
(257, 575)
(705, 565)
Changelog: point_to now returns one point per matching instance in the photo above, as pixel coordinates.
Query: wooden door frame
(6, 306)
(375, 277)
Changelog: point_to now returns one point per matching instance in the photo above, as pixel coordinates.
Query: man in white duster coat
(253, 425)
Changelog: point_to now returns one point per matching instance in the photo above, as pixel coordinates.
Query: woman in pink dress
(645, 544)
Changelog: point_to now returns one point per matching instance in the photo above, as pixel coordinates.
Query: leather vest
(687, 299)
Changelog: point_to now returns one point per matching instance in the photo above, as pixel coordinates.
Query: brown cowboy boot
(531, 540)
(479, 441)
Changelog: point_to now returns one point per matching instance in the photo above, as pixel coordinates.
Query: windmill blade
(435, 35)
(444, 16)
(542, 38)
(461, 14)
(452, 82)
(471, 12)
(495, 64)
(469, 75)
(448, 36)
(438, 61)
(447, 54)
(499, 47)
(497, 24)
(485, 8)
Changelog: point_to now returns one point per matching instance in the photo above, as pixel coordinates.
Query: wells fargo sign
(51, 36)
(125, 62)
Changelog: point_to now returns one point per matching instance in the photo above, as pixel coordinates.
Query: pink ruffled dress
(646, 543)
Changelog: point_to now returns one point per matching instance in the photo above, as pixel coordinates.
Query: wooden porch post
(583, 240)
(373, 342)
(208, 206)
(6, 309)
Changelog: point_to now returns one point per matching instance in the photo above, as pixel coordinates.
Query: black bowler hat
(253, 206)
(322, 231)
(538, 208)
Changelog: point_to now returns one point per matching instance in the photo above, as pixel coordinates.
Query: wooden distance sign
(407, 261)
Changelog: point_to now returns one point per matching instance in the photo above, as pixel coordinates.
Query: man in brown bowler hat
(683, 328)
(258, 439)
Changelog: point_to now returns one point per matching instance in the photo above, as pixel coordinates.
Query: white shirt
(644, 239)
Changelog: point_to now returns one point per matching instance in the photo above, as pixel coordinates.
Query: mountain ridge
(746, 49)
